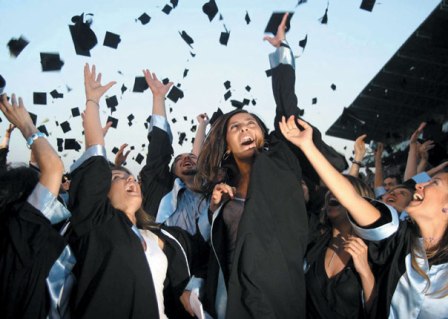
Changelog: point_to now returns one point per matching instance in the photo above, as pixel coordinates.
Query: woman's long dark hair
(213, 165)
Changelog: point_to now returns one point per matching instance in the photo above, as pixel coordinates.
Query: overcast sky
(348, 51)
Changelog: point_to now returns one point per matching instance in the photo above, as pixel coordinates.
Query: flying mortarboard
(113, 120)
(75, 112)
(175, 94)
(193, 128)
(247, 18)
(40, 98)
(167, 9)
(224, 38)
(314, 100)
(139, 158)
(83, 37)
(43, 129)
(268, 72)
(185, 72)
(56, 95)
(246, 101)
(50, 61)
(112, 102)
(254, 102)
(248, 88)
(17, 45)
(33, 117)
(333, 87)
(367, 5)
(182, 137)
(144, 18)
(173, 120)
(237, 104)
(185, 118)
(187, 38)
(302, 43)
(111, 40)
(174, 3)
(140, 84)
(165, 81)
(71, 144)
(65, 126)
(60, 143)
(227, 95)
(115, 150)
(324, 19)
(300, 2)
(275, 20)
(2, 84)
(227, 84)
(210, 9)
(123, 89)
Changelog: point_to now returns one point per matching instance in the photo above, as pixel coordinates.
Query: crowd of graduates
(250, 224)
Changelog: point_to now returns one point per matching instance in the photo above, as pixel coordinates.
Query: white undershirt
(158, 263)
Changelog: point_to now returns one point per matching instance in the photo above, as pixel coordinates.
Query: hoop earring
(224, 157)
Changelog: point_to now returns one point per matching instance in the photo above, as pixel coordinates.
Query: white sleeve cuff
(283, 55)
(94, 150)
(162, 123)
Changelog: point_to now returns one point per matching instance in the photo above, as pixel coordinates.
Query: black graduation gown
(156, 177)
(113, 277)
(3, 156)
(267, 279)
(29, 246)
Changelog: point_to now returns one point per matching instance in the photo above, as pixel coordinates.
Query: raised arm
(378, 181)
(360, 152)
(411, 164)
(4, 146)
(93, 130)
(50, 164)
(159, 90)
(423, 155)
(361, 210)
(200, 133)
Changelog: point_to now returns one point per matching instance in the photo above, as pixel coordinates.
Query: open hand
(280, 36)
(92, 83)
(157, 88)
(17, 114)
(221, 192)
(121, 157)
(300, 138)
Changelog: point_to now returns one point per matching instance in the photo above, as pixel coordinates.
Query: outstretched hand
(221, 192)
(157, 88)
(121, 156)
(92, 83)
(17, 114)
(280, 36)
(417, 132)
(203, 119)
(300, 138)
(360, 147)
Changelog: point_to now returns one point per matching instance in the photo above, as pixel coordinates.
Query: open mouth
(333, 202)
(418, 197)
(247, 140)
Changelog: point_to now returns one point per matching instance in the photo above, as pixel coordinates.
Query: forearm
(368, 289)
(378, 180)
(421, 167)
(411, 163)
(361, 211)
(93, 130)
(5, 141)
(158, 105)
(199, 139)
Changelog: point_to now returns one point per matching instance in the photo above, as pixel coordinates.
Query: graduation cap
(187, 38)
(173, 120)
(60, 143)
(2, 84)
(227, 84)
(43, 129)
(210, 9)
(132, 148)
(112, 102)
(65, 126)
(254, 102)
(367, 5)
(300, 2)
(113, 120)
(111, 40)
(71, 144)
(268, 72)
(227, 95)
(185, 72)
(333, 87)
(165, 81)
(193, 128)
(148, 120)
(248, 88)
(324, 19)
(192, 54)
(50, 61)
(171, 110)
(56, 95)
(174, 3)
(185, 118)
(140, 84)
(216, 115)
(182, 137)
(83, 37)
(246, 101)
(123, 89)
(139, 158)
(75, 112)
(115, 150)
(17, 45)
(167, 9)
(224, 38)
(130, 119)
(237, 104)
(144, 18)
(40, 98)
(175, 94)
(302, 43)
(314, 100)
(275, 20)
(247, 18)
